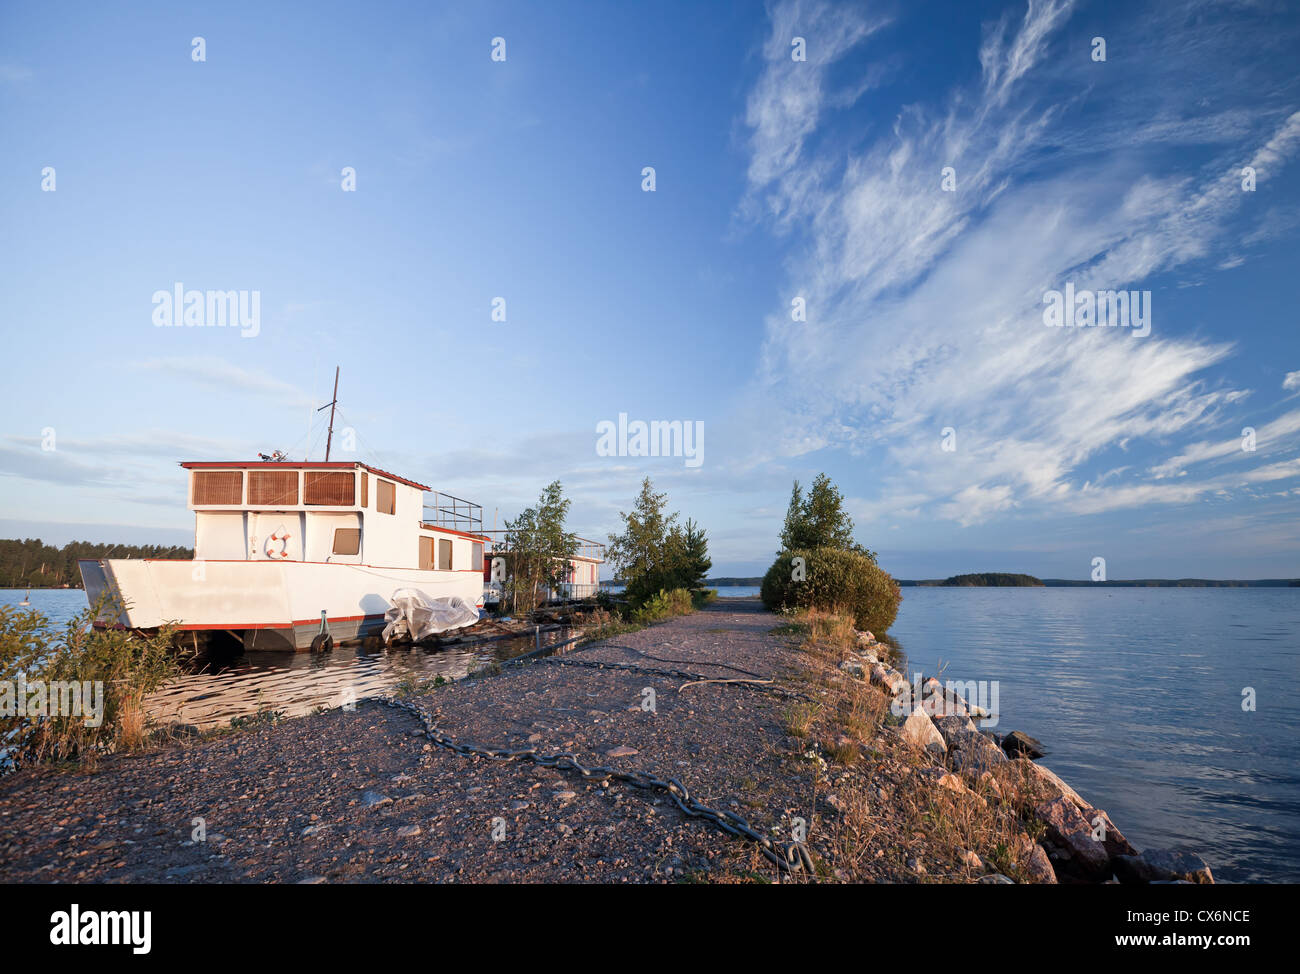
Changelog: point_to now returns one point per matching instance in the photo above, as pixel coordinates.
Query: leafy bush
(834, 580)
(664, 605)
(122, 667)
(701, 597)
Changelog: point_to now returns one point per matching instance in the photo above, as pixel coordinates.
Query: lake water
(1136, 694)
(293, 684)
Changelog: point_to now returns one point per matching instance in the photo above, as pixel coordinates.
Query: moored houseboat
(291, 554)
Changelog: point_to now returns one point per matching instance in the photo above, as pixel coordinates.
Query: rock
(989, 783)
(916, 866)
(1112, 838)
(1068, 829)
(622, 751)
(1163, 865)
(945, 704)
(1039, 784)
(373, 799)
(408, 831)
(972, 752)
(971, 859)
(1033, 861)
(940, 778)
(312, 881)
(920, 731)
(953, 725)
(865, 638)
(854, 668)
(1018, 745)
(564, 796)
(996, 879)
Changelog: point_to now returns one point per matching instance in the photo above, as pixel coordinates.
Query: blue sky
(774, 179)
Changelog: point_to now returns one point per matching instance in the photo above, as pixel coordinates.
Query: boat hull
(269, 605)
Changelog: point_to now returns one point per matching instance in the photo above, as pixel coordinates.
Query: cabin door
(274, 536)
(334, 538)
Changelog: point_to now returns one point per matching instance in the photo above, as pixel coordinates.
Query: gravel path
(359, 796)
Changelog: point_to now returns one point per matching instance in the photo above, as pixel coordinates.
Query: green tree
(538, 549)
(655, 552)
(640, 555)
(694, 561)
(818, 520)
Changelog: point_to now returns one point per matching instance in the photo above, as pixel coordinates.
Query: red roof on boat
(298, 465)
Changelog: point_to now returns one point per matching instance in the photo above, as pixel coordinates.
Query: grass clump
(83, 688)
(664, 605)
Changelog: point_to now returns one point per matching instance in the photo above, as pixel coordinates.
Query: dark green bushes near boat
(833, 579)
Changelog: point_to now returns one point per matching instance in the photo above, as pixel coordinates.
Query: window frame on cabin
(380, 485)
(356, 534)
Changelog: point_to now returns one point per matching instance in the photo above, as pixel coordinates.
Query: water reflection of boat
(295, 684)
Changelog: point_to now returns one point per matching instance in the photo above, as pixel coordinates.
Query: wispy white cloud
(219, 374)
(924, 307)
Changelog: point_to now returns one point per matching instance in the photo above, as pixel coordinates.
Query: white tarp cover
(412, 613)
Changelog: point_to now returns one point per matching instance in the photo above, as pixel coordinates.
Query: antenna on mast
(332, 403)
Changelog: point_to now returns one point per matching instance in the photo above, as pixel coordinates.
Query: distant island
(1005, 579)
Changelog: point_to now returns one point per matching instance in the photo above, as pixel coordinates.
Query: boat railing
(450, 511)
(588, 549)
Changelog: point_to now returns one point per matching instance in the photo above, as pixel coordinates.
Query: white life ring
(282, 540)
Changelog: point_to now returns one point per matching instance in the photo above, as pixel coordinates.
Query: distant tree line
(31, 563)
(1113, 583)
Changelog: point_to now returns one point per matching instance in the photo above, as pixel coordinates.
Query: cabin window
(444, 554)
(329, 488)
(476, 556)
(272, 487)
(347, 541)
(426, 554)
(218, 487)
(365, 489)
(385, 497)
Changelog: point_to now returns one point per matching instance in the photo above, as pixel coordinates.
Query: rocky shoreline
(1078, 842)
(747, 714)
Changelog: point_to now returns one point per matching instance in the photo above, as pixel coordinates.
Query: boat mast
(332, 404)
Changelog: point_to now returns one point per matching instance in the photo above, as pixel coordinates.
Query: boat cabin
(329, 513)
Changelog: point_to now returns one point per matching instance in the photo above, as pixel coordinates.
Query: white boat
(288, 552)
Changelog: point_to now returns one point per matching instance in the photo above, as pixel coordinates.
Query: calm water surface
(1137, 695)
(292, 684)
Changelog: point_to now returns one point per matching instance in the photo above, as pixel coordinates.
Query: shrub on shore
(664, 605)
(107, 670)
(834, 580)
